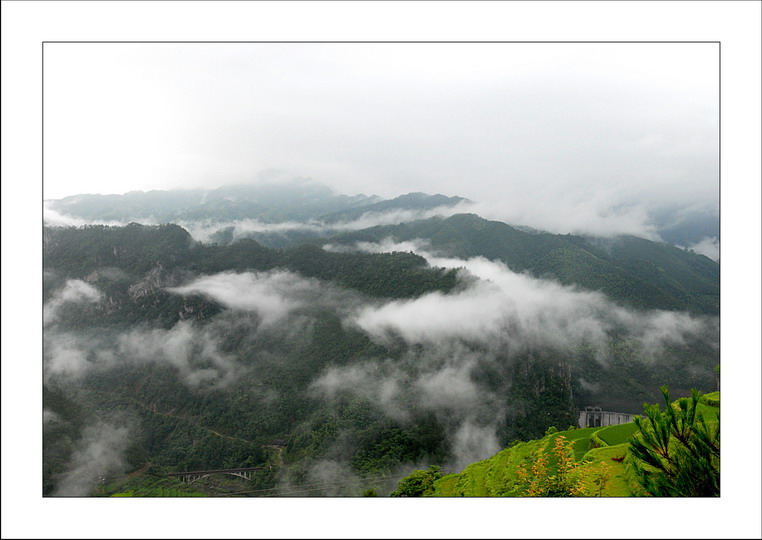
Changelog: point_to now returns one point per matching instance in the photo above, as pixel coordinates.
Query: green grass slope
(497, 476)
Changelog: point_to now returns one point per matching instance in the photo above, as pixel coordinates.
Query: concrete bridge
(191, 476)
(595, 417)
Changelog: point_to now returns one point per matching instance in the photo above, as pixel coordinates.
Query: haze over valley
(362, 337)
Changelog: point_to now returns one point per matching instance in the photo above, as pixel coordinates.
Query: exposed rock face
(541, 396)
(157, 278)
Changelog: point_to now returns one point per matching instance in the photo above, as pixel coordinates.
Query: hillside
(497, 476)
(635, 271)
(169, 250)
(179, 355)
(410, 201)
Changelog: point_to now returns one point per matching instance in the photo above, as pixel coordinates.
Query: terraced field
(496, 476)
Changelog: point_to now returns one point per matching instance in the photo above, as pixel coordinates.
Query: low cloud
(273, 296)
(709, 247)
(374, 380)
(449, 388)
(387, 245)
(472, 442)
(273, 303)
(193, 352)
(69, 356)
(455, 339)
(595, 215)
(54, 218)
(436, 379)
(203, 230)
(270, 294)
(74, 291)
(395, 217)
(509, 307)
(518, 311)
(329, 478)
(99, 454)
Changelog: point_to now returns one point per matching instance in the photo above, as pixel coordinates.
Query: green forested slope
(631, 270)
(138, 249)
(181, 426)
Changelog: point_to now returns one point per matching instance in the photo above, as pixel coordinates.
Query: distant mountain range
(319, 209)
(632, 270)
(298, 200)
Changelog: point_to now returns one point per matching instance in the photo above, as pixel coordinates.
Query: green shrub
(419, 483)
(712, 399)
(676, 453)
(596, 441)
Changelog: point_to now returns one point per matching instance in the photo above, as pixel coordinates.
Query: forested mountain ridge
(410, 201)
(632, 270)
(207, 354)
(300, 199)
(150, 258)
(297, 201)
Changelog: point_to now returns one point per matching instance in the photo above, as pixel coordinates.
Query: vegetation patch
(711, 400)
(614, 435)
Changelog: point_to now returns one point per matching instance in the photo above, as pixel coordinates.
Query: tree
(558, 474)
(676, 453)
(419, 483)
(541, 480)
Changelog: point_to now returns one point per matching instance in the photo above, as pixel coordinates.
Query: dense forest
(180, 355)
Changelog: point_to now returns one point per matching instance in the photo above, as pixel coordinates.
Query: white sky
(579, 128)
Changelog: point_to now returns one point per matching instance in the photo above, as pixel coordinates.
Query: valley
(336, 355)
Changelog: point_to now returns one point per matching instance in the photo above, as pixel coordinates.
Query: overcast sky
(540, 133)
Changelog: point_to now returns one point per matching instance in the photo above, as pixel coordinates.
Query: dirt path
(279, 461)
(142, 469)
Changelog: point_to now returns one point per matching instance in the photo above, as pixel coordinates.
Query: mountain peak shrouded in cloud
(282, 212)
(272, 201)
(588, 138)
(275, 213)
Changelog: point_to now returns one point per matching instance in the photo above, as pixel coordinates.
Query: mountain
(329, 370)
(410, 201)
(595, 450)
(274, 214)
(167, 254)
(300, 200)
(632, 270)
(296, 200)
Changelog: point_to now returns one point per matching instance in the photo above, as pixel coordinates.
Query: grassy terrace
(495, 476)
